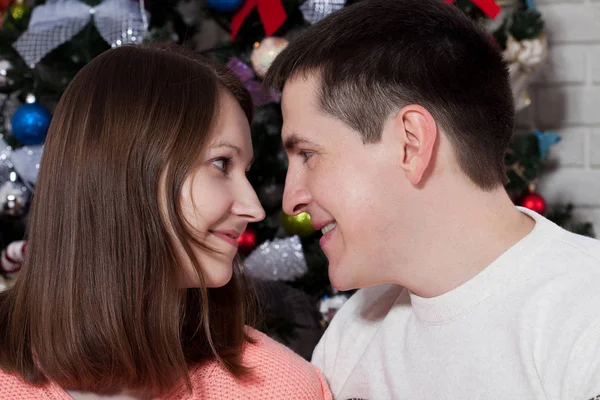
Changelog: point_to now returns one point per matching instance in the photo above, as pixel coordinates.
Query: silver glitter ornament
(9, 103)
(13, 199)
(315, 10)
(26, 162)
(7, 172)
(6, 69)
(277, 260)
(58, 21)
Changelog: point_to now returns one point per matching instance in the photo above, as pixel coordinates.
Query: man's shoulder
(558, 313)
(580, 247)
(563, 286)
(564, 246)
(568, 263)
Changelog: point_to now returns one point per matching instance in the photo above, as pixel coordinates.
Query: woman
(131, 287)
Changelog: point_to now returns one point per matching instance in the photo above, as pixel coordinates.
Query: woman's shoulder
(268, 357)
(13, 387)
(275, 372)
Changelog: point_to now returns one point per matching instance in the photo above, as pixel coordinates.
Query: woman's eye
(222, 164)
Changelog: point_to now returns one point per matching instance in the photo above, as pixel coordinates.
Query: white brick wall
(566, 99)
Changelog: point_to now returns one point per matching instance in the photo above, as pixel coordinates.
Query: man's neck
(461, 239)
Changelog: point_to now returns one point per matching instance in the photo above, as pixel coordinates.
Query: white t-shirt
(526, 327)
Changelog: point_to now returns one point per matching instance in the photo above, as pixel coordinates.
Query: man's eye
(305, 154)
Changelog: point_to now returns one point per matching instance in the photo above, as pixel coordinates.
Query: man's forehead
(303, 87)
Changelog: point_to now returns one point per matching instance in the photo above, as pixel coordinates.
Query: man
(397, 116)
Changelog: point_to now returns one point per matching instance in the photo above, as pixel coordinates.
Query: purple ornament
(259, 95)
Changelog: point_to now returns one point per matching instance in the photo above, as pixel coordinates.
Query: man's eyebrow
(294, 140)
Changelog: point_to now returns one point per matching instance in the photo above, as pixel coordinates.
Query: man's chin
(341, 280)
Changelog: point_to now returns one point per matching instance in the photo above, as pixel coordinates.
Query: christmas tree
(44, 44)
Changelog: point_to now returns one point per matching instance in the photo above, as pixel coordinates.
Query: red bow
(271, 12)
(489, 7)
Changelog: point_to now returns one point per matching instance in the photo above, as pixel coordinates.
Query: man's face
(353, 191)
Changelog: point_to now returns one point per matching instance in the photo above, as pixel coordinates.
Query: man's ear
(417, 132)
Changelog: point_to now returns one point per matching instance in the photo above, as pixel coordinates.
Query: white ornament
(524, 59)
(265, 52)
(13, 256)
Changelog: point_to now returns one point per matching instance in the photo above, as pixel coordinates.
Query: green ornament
(297, 224)
(18, 11)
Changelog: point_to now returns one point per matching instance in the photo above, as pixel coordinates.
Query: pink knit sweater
(278, 373)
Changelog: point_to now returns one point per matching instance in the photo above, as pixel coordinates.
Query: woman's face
(217, 198)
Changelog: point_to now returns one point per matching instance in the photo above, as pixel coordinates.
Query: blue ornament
(224, 6)
(30, 123)
(530, 4)
(545, 141)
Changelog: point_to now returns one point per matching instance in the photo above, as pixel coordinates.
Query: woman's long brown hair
(97, 305)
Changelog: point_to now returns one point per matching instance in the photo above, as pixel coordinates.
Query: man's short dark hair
(378, 55)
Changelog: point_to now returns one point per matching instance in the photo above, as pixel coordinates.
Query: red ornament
(4, 4)
(247, 240)
(534, 202)
(271, 13)
(489, 7)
